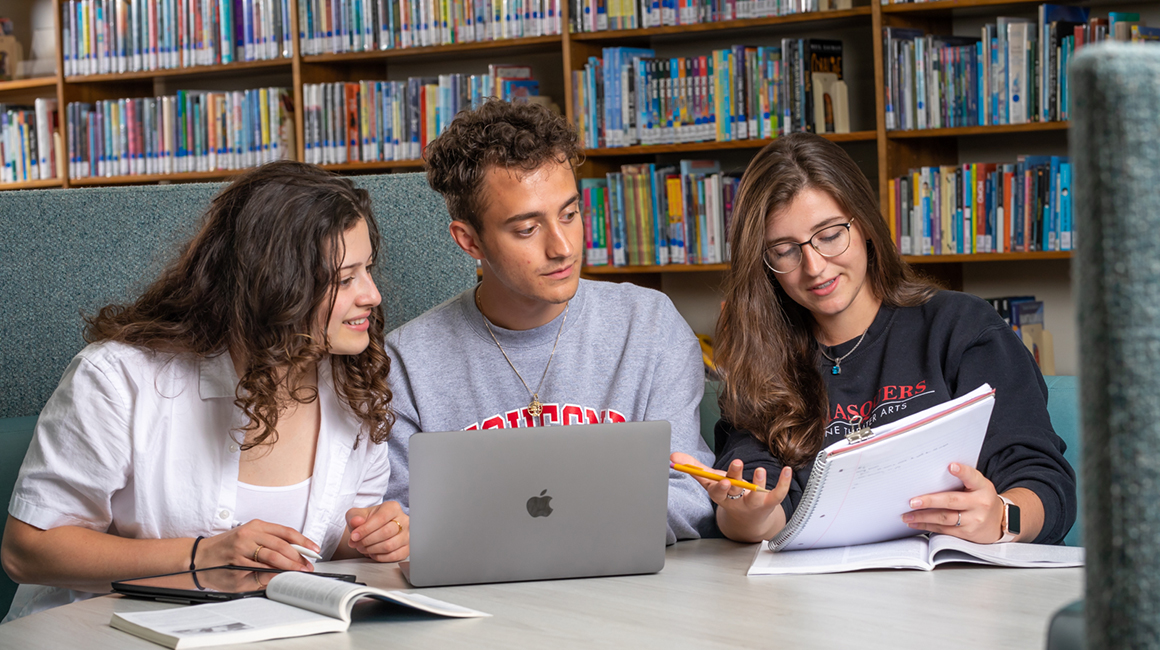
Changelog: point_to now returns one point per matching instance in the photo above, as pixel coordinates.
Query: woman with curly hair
(824, 327)
(237, 407)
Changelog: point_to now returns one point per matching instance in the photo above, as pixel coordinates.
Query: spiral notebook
(862, 485)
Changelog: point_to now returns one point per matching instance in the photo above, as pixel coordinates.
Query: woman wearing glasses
(824, 323)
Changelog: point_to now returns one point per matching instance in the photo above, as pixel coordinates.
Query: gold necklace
(535, 407)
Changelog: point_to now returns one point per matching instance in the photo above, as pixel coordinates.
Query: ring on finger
(735, 496)
(254, 557)
(960, 519)
(396, 522)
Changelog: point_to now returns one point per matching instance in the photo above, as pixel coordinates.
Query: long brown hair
(766, 351)
(253, 281)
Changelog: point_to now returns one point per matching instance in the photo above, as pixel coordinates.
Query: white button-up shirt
(144, 444)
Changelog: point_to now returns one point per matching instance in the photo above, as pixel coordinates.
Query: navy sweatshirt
(913, 358)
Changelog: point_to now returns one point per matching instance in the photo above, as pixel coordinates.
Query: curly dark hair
(253, 281)
(517, 136)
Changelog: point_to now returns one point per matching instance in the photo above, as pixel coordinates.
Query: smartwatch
(1010, 526)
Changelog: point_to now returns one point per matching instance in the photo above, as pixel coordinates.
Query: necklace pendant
(535, 408)
(836, 370)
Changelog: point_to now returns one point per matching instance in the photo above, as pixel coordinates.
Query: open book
(913, 553)
(296, 604)
(861, 486)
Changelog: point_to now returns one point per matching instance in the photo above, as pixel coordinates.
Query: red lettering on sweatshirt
(553, 415)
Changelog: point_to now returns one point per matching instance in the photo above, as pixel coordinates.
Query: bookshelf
(896, 151)
(883, 154)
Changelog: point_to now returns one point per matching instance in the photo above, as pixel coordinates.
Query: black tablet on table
(209, 585)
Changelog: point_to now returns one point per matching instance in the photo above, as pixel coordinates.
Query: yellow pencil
(697, 471)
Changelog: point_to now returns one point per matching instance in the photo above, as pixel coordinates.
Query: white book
(861, 485)
(296, 604)
(1018, 35)
(45, 111)
(920, 553)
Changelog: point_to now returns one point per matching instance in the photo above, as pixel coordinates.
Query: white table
(702, 599)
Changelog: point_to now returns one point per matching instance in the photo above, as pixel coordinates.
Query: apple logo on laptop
(538, 506)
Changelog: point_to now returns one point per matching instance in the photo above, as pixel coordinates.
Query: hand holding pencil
(750, 511)
(715, 475)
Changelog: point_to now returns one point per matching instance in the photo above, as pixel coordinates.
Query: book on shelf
(498, 73)
(339, 26)
(831, 105)
(1142, 34)
(28, 141)
(1057, 25)
(1003, 306)
(629, 96)
(922, 553)
(1016, 71)
(374, 121)
(601, 15)
(983, 208)
(296, 604)
(650, 215)
(190, 131)
(117, 36)
(1120, 24)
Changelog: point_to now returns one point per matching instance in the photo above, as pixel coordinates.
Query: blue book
(660, 211)
(1067, 229)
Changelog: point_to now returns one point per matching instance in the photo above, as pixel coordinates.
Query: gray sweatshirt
(625, 354)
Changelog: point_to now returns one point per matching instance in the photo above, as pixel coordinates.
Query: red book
(352, 149)
(1008, 187)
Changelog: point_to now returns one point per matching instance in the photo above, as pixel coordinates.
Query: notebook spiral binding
(805, 507)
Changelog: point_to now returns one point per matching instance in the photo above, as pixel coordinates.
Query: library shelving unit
(897, 151)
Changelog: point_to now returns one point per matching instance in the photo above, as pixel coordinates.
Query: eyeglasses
(831, 241)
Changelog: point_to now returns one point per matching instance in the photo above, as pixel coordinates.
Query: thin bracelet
(193, 554)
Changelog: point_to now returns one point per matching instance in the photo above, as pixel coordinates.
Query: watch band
(1007, 534)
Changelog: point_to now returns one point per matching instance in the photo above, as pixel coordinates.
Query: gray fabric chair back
(64, 252)
(1115, 149)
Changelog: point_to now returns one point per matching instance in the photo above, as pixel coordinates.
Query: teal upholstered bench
(1062, 406)
(70, 251)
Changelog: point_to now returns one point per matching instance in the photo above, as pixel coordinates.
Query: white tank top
(284, 505)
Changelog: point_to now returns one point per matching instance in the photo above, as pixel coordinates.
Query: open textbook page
(913, 553)
(860, 488)
(335, 598)
(296, 604)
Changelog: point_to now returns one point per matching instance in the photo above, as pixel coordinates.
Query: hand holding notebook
(861, 487)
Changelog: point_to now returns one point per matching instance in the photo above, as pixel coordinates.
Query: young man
(532, 344)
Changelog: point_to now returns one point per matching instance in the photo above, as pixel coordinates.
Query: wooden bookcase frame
(898, 151)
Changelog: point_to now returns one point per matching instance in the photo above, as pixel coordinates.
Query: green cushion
(15, 434)
(70, 251)
(1063, 408)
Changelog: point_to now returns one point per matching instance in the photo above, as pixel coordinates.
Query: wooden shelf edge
(644, 150)
(32, 185)
(668, 268)
(947, 5)
(145, 179)
(911, 259)
(729, 25)
(178, 72)
(25, 84)
(987, 257)
(403, 52)
(996, 129)
(371, 166)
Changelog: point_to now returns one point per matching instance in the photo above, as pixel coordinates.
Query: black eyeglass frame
(801, 252)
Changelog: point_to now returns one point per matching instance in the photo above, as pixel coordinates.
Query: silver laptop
(502, 505)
